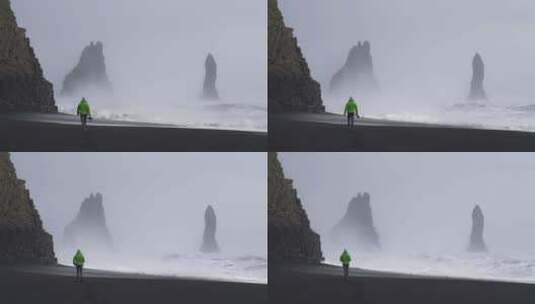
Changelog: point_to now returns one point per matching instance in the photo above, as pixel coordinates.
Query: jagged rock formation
(290, 237)
(477, 91)
(290, 86)
(209, 243)
(356, 228)
(89, 230)
(22, 237)
(356, 75)
(209, 91)
(477, 243)
(89, 73)
(22, 84)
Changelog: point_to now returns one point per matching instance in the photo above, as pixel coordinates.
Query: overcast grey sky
(155, 50)
(423, 49)
(423, 201)
(155, 201)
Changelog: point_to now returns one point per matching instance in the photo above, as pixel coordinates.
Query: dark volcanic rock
(22, 84)
(89, 229)
(477, 91)
(356, 75)
(290, 238)
(209, 91)
(22, 237)
(356, 229)
(89, 73)
(477, 243)
(209, 243)
(290, 86)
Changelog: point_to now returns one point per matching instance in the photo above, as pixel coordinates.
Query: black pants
(79, 274)
(83, 119)
(350, 120)
(346, 271)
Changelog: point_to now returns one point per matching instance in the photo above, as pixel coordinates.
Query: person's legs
(346, 271)
(352, 120)
(81, 273)
(77, 273)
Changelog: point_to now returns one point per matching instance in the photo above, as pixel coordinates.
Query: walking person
(351, 110)
(78, 262)
(345, 258)
(84, 111)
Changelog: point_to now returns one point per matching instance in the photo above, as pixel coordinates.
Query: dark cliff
(209, 91)
(209, 244)
(477, 243)
(477, 90)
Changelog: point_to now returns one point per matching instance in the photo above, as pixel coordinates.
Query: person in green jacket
(84, 111)
(78, 262)
(351, 110)
(345, 258)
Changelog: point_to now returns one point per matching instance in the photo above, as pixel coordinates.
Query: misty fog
(155, 53)
(422, 205)
(154, 205)
(422, 52)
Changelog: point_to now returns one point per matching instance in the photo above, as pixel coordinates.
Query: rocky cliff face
(89, 230)
(477, 243)
(22, 237)
(477, 91)
(22, 84)
(209, 244)
(290, 86)
(209, 91)
(290, 237)
(356, 76)
(356, 229)
(89, 73)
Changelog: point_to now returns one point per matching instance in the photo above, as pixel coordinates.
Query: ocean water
(248, 268)
(461, 265)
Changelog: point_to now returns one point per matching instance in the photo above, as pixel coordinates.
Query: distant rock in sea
(209, 242)
(356, 229)
(23, 87)
(356, 76)
(290, 85)
(290, 237)
(89, 75)
(477, 243)
(477, 90)
(89, 228)
(22, 237)
(209, 91)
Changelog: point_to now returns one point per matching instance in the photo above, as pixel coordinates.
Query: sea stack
(477, 243)
(290, 85)
(23, 87)
(477, 91)
(356, 229)
(209, 242)
(89, 229)
(209, 91)
(89, 74)
(290, 237)
(22, 237)
(356, 76)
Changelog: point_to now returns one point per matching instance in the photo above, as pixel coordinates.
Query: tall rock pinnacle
(290, 237)
(356, 76)
(209, 244)
(290, 85)
(209, 91)
(356, 228)
(477, 243)
(22, 84)
(477, 90)
(89, 73)
(22, 237)
(89, 229)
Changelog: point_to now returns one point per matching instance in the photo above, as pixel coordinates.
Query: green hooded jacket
(78, 259)
(345, 258)
(83, 108)
(351, 107)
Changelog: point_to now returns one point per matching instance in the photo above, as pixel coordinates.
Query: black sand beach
(325, 284)
(55, 285)
(328, 133)
(60, 132)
